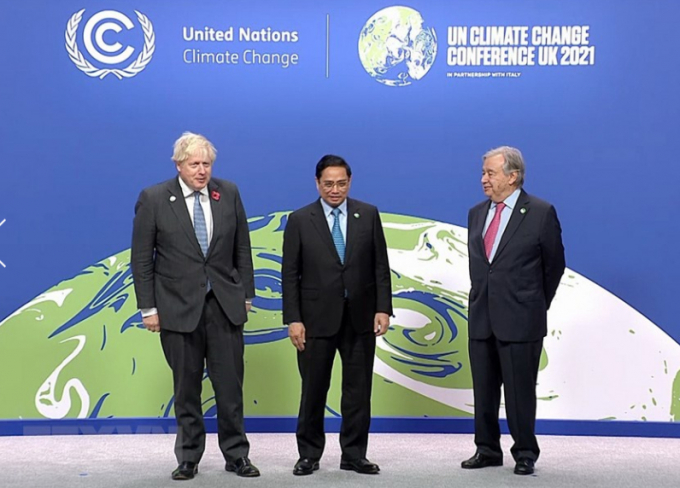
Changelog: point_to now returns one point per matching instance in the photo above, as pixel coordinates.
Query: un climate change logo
(396, 47)
(103, 52)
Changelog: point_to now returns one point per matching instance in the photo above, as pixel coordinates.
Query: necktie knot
(336, 212)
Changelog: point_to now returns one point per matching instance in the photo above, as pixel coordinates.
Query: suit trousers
(218, 345)
(513, 365)
(357, 352)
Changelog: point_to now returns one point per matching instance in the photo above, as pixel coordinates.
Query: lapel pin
(522, 210)
(356, 215)
(172, 198)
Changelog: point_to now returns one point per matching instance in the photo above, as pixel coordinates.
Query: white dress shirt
(205, 204)
(328, 212)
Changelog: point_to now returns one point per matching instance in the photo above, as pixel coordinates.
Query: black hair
(331, 160)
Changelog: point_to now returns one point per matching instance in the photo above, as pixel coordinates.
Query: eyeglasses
(328, 185)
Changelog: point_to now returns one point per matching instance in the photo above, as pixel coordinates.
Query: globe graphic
(79, 349)
(395, 47)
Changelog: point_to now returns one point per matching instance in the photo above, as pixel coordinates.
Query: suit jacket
(511, 295)
(316, 284)
(168, 266)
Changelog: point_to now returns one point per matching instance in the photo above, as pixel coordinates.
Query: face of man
(334, 185)
(195, 171)
(496, 184)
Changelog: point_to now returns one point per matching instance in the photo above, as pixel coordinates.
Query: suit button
(202, 285)
(490, 271)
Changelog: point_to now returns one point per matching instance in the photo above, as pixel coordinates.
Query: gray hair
(190, 144)
(512, 161)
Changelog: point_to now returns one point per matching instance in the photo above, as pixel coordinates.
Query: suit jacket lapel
(321, 224)
(352, 227)
(179, 208)
(477, 232)
(516, 219)
(217, 209)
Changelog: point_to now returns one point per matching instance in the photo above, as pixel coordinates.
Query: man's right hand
(151, 323)
(296, 332)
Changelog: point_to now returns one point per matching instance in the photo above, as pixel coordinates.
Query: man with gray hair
(193, 276)
(516, 263)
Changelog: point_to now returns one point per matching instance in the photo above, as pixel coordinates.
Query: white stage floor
(406, 460)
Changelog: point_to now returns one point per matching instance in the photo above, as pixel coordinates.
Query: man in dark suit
(516, 262)
(337, 295)
(193, 275)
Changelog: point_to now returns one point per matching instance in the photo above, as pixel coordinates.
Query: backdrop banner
(94, 93)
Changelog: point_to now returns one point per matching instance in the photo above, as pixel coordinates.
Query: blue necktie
(200, 227)
(338, 240)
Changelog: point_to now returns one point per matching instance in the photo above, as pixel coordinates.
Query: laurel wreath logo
(86, 67)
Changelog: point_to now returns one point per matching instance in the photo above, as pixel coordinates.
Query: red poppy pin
(215, 195)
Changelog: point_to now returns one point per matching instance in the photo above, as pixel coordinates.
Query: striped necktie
(338, 240)
(200, 227)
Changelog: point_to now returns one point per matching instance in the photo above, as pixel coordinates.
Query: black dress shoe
(524, 466)
(305, 466)
(363, 466)
(242, 467)
(185, 471)
(480, 460)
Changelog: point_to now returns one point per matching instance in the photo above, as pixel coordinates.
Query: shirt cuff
(148, 312)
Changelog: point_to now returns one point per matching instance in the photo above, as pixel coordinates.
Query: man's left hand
(381, 323)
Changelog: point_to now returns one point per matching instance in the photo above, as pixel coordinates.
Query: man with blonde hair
(193, 276)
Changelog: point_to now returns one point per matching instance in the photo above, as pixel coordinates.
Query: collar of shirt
(510, 202)
(328, 210)
(187, 192)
